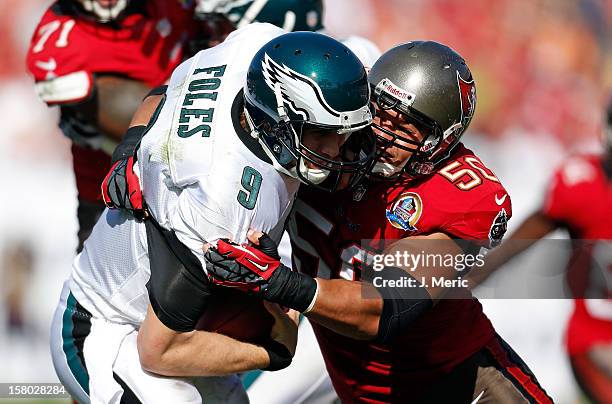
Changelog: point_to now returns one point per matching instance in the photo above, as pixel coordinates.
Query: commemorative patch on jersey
(405, 211)
(498, 228)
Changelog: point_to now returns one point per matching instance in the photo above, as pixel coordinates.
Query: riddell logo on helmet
(427, 147)
(398, 92)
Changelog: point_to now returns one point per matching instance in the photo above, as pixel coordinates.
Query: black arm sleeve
(129, 143)
(178, 288)
(401, 305)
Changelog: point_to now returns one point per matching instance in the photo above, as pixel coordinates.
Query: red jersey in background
(68, 50)
(580, 198)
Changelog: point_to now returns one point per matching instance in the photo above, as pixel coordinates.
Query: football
(237, 315)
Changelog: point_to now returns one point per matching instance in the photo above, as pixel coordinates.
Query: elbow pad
(401, 305)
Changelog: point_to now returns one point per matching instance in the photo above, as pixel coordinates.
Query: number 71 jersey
(67, 50)
(580, 197)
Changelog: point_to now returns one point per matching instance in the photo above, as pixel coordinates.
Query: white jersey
(198, 180)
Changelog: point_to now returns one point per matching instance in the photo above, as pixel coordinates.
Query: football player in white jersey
(311, 383)
(127, 314)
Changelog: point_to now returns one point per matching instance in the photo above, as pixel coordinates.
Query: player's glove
(258, 270)
(121, 188)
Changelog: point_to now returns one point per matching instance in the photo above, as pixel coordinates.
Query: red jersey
(463, 199)
(67, 50)
(580, 198)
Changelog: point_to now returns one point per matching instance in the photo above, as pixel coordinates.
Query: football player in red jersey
(428, 191)
(579, 200)
(96, 60)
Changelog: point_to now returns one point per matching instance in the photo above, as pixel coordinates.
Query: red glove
(121, 188)
(258, 270)
(242, 266)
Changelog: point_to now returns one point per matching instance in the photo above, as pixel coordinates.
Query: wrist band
(280, 357)
(314, 299)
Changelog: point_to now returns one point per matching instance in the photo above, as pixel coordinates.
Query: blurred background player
(579, 201)
(96, 60)
(220, 17)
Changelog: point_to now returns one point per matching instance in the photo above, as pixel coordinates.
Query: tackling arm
(359, 310)
(340, 307)
(337, 304)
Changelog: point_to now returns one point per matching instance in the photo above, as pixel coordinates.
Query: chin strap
(280, 105)
(314, 175)
(255, 134)
(251, 125)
